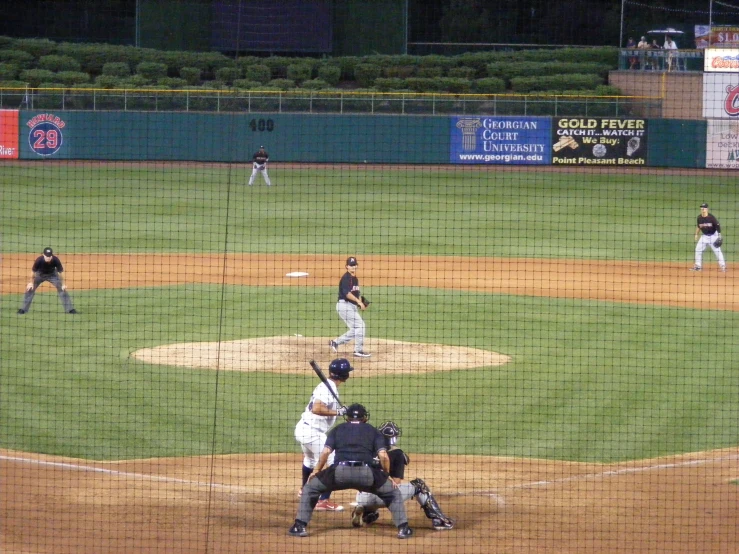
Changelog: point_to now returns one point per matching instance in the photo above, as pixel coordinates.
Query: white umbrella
(667, 31)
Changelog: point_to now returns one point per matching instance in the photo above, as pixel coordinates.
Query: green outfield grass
(590, 381)
(112, 208)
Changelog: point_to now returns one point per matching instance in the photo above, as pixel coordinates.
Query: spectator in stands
(644, 62)
(633, 60)
(672, 47)
(655, 46)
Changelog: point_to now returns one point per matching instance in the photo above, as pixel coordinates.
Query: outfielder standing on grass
(348, 307)
(368, 504)
(259, 165)
(47, 268)
(711, 229)
(319, 416)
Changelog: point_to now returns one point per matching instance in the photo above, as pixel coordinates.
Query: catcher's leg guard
(430, 506)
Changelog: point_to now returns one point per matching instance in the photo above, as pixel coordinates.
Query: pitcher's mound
(292, 354)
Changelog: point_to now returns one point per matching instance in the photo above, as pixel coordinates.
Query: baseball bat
(323, 379)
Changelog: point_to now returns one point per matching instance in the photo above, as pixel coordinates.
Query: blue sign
(45, 135)
(500, 140)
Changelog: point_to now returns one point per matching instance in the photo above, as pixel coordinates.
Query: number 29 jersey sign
(45, 135)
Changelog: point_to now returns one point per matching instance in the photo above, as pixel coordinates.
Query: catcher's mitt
(719, 241)
(365, 301)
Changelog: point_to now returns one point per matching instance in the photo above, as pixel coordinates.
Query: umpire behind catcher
(355, 444)
(47, 268)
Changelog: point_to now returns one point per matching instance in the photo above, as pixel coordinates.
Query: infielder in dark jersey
(259, 165)
(709, 229)
(348, 307)
(47, 268)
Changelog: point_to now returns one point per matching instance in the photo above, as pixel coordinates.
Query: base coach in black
(355, 444)
(47, 268)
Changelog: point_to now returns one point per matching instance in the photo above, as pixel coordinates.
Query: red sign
(9, 134)
(731, 103)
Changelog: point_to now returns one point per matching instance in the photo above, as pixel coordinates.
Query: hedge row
(36, 62)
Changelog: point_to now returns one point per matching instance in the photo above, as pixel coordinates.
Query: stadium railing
(326, 102)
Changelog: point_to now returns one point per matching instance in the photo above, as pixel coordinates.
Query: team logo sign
(45, 137)
(731, 102)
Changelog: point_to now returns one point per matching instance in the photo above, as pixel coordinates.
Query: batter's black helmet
(356, 412)
(390, 429)
(340, 368)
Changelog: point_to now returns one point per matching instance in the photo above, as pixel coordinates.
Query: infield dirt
(241, 503)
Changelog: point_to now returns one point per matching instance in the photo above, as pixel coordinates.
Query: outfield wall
(479, 140)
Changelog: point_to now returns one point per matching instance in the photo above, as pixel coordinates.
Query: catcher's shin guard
(430, 506)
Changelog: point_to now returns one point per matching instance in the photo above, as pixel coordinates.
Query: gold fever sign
(599, 141)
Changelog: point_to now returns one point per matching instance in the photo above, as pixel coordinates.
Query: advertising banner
(716, 35)
(500, 140)
(595, 141)
(722, 144)
(724, 60)
(9, 134)
(720, 95)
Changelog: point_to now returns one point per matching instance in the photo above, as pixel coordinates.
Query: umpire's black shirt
(355, 442)
(47, 268)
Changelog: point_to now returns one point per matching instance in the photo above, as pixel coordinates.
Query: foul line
(604, 474)
(125, 474)
(520, 486)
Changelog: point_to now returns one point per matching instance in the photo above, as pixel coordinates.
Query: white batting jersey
(321, 423)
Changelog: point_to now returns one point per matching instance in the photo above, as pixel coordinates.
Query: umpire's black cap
(704, 205)
(48, 251)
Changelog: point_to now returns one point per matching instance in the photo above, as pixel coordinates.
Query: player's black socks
(306, 473)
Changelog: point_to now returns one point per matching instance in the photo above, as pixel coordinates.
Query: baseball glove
(365, 301)
(719, 241)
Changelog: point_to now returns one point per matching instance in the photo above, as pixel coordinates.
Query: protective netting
(562, 379)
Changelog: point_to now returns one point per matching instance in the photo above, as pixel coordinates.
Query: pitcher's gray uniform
(348, 307)
(47, 268)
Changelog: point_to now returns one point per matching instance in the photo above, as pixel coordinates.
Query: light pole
(137, 26)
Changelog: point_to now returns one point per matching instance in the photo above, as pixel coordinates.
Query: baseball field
(563, 382)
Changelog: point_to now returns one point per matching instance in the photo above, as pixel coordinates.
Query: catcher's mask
(391, 431)
(340, 369)
(357, 412)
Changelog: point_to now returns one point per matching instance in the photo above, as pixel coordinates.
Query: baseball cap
(704, 205)
(48, 252)
(351, 260)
